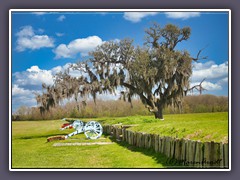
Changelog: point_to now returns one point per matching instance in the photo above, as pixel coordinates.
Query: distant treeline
(119, 108)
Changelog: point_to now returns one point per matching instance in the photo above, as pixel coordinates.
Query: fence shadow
(158, 157)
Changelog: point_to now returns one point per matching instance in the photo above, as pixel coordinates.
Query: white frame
(116, 10)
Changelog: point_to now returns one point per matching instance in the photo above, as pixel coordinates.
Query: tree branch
(198, 55)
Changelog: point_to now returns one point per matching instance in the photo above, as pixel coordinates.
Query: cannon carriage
(91, 129)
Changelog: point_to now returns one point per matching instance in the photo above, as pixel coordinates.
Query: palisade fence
(185, 152)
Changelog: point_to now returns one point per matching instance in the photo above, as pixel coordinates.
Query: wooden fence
(185, 152)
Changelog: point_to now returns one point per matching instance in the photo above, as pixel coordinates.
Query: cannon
(91, 129)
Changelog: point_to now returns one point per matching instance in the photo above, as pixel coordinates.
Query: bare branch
(198, 55)
(198, 87)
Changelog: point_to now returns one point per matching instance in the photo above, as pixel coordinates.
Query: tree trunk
(159, 114)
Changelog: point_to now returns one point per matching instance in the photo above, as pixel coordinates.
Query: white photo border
(117, 10)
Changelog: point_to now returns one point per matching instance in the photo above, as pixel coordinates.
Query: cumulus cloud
(27, 39)
(137, 16)
(223, 81)
(216, 76)
(33, 76)
(209, 86)
(82, 46)
(22, 97)
(209, 70)
(61, 18)
(182, 15)
(30, 81)
(16, 90)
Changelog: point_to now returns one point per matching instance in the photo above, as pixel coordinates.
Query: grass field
(200, 126)
(30, 148)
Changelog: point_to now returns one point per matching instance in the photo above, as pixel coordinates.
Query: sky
(45, 43)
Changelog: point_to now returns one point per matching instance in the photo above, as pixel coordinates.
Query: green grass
(30, 148)
(36, 153)
(200, 126)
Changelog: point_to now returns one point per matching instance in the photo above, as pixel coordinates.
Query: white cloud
(108, 96)
(56, 69)
(182, 15)
(209, 86)
(72, 72)
(82, 46)
(201, 66)
(29, 81)
(61, 18)
(27, 39)
(216, 76)
(33, 76)
(16, 90)
(39, 13)
(26, 31)
(223, 81)
(137, 16)
(209, 70)
(59, 34)
(22, 97)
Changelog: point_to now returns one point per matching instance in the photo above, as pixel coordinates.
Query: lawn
(199, 126)
(30, 148)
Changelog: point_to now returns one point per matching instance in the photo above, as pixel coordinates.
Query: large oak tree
(157, 73)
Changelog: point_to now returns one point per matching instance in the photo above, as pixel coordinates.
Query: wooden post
(183, 151)
(226, 161)
(114, 132)
(163, 145)
(139, 139)
(152, 141)
(160, 144)
(187, 150)
(172, 144)
(145, 140)
(216, 155)
(168, 147)
(207, 155)
(134, 138)
(128, 136)
(108, 129)
(156, 140)
(221, 155)
(149, 141)
(191, 148)
(142, 140)
(198, 158)
(176, 151)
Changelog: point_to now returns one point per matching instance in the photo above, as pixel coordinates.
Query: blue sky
(44, 43)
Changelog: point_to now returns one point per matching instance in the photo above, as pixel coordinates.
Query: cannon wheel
(93, 130)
